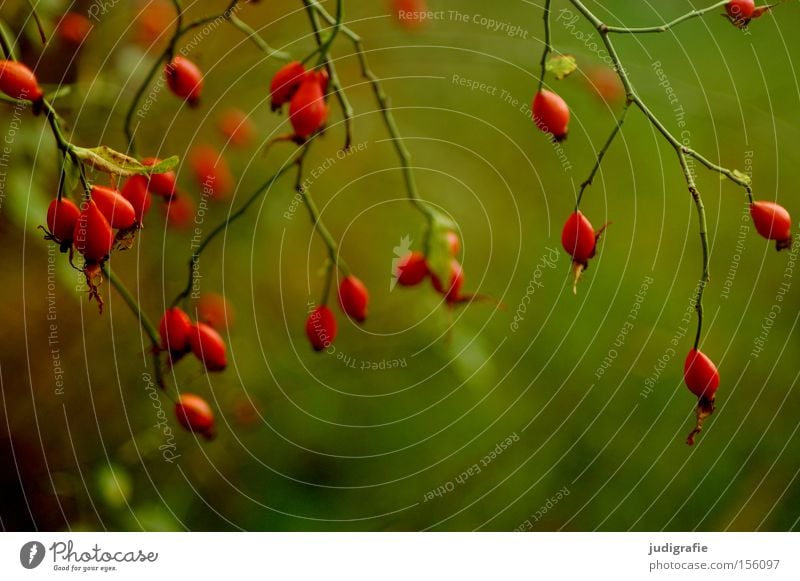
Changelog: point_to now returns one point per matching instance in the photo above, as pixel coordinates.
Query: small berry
(73, 28)
(118, 211)
(321, 328)
(93, 236)
(702, 379)
(61, 218)
(211, 172)
(412, 269)
(354, 298)
(410, 14)
(773, 223)
(184, 79)
(180, 211)
(135, 191)
(18, 81)
(604, 82)
(160, 184)
(208, 347)
(215, 310)
(740, 11)
(307, 109)
(175, 328)
(153, 21)
(579, 238)
(551, 114)
(237, 127)
(194, 414)
(453, 243)
(285, 83)
(701, 375)
(452, 294)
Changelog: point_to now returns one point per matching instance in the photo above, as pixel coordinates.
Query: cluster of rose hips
(413, 268)
(305, 92)
(579, 238)
(551, 113)
(321, 327)
(179, 337)
(771, 221)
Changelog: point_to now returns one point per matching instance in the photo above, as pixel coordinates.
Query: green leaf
(561, 66)
(107, 160)
(438, 247)
(114, 485)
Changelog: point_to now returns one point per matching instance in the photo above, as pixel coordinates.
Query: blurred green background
(326, 442)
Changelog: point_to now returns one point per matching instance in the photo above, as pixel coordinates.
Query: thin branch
(180, 31)
(319, 226)
(323, 48)
(144, 322)
(388, 117)
(256, 38)
(602, 153)
(668, 25)
(547, 43)
(223, 226)
(701, 216)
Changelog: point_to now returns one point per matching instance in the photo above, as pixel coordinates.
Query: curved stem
(181, 30)
(389, 121)
(257, 40)
(683, 151)
(144, 322)
(223, 226)
(137, 97)
(602, 153)
(324, 59)
(547, 46)
(330, 243)
(64, 146)
(666, 26)
(701, 216)
(634, 97)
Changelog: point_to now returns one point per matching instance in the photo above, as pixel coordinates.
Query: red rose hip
(160, 184)
(452, 293)
(118, 211)
(194, 414)
(208, 347)
(184, 79)
(551, 114)
(321, 328)
(18, 81)
(93, 236)
(412, 269)
(174, 329)
(773, 223)
(285, 82)
(211, 171)
(307, 109)
(61, 218)
(701, 375)
(354, 298)
(579, 238)
(135, 191)
(740, 10)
